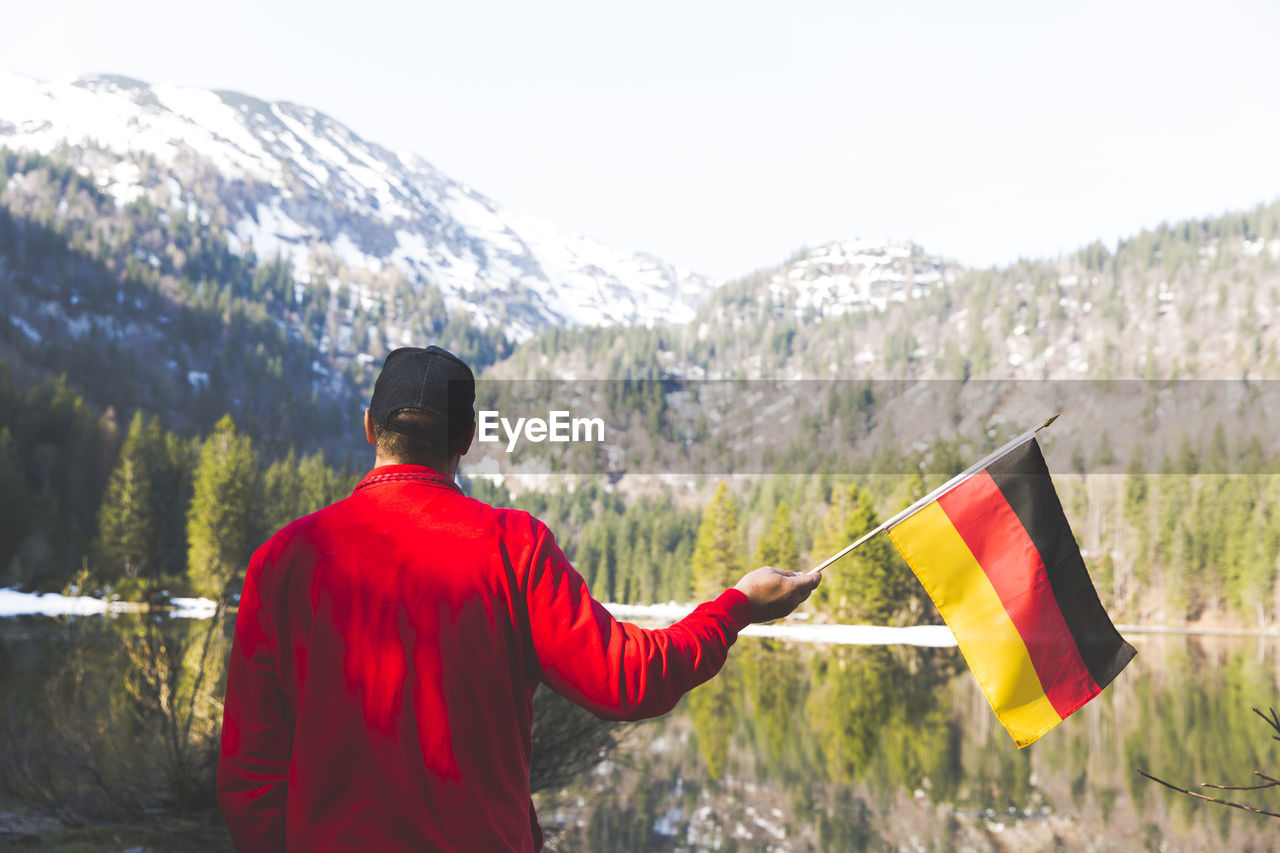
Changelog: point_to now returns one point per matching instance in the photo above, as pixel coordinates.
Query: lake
(812, 747)
(795, 746)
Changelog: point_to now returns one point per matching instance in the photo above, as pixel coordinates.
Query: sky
(723, 136)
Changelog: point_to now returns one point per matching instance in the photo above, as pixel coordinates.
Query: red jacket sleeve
(615, 669)
(253, 762)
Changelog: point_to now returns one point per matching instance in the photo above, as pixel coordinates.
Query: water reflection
(813, 748)
(112, 719)
(793, 746)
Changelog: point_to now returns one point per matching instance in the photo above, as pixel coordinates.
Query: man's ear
(466, 445)
(369, 434)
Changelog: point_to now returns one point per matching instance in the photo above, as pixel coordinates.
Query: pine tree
(127, 526)
(15, 505)
(223, 518)
(65, 448)
(870, 584)
(606, 567)
(318, 486)
(717, 563)
(173, 462)
(777, 547)
(282, 498)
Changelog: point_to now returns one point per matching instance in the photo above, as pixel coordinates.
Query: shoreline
(53, 604)
(798, 629)
(1264, 633)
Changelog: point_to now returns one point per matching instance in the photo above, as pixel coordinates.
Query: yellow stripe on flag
(986, 635)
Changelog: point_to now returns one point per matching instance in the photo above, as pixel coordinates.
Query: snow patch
(932, 636)
(14, 603)
(26, 328)
(193, 608)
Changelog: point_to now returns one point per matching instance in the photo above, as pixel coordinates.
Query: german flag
(996, 555)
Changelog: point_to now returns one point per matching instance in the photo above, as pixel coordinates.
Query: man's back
(387, 649)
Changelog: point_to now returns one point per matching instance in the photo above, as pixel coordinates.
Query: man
(387, 648)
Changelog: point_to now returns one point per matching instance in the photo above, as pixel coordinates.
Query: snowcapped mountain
(288, 180)
(854, 276)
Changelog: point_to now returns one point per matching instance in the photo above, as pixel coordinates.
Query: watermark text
(559, 426)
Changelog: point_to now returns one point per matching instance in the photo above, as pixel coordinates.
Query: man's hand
(776, 592)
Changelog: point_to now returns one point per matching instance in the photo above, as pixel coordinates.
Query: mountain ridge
(287, 179)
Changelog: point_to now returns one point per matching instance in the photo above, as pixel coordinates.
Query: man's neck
(450, 469)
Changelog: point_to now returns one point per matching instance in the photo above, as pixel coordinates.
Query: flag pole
(936, 493)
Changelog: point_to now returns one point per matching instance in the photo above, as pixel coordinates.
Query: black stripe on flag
(1023, 479)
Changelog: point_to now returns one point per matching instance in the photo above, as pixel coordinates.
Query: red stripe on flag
(1001, 545)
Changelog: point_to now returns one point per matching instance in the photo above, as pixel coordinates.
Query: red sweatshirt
(385, 657)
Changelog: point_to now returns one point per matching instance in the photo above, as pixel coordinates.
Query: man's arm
(620, 671)
(257, 738)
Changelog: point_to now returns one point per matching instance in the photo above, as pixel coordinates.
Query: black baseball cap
(431, 379)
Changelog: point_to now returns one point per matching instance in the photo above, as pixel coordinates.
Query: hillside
(284, 180)
(1191, 300)
(143, 311)
(865, 351)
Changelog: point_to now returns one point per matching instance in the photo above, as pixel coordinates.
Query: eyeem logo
(558, 426)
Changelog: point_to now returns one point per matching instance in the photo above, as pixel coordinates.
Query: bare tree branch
(1268, 782)
(1210, 799)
